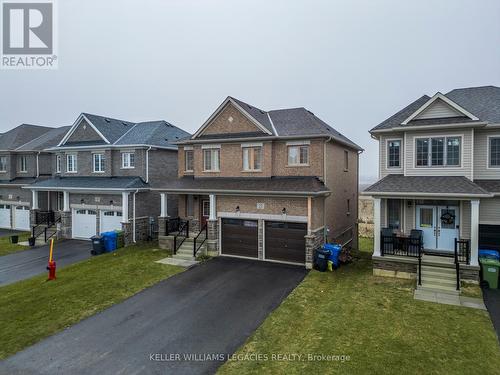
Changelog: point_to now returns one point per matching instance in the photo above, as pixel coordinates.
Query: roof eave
(477, 124)
(244, 192)
(420, 194)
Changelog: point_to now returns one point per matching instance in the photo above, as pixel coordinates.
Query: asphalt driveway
(207, 311)
(28, 263)
(492, 301)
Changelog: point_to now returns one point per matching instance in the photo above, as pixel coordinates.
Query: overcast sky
(352, 63)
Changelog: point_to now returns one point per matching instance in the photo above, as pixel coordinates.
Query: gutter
(133, 218)
(71, 148)
(246, 192)
(410, 194)
(37, 165)
(478, 124)
(147, 164)
(97, 190)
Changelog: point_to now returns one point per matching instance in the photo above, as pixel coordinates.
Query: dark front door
(285, 241)
(240, 237)
(204, 211)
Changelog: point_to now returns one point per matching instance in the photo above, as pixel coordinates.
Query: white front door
(426, 222)
(5, 216)
(84, 223)
(439, 225)
(111, 220)
(22, 218)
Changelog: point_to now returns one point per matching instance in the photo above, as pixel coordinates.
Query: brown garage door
(240, 237)
(285, 241)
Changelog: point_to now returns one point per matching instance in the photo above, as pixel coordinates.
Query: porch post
(474, 232)
(213, 214)
(65, 201)
(376, 226)
(163, 203)
(125, 206)
(34, 204)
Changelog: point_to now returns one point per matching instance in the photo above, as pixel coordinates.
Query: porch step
(438, 289)
(183, 256)
(439, 271)
(438, 259)
(439, 280)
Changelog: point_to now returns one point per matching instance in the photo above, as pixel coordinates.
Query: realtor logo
(28, 35)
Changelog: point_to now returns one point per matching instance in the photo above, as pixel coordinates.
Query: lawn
(6, 247)
(376, 323)
(35, 308)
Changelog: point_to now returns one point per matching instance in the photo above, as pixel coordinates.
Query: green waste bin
(490, 268)
(120, 242)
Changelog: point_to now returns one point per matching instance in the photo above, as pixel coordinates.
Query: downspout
(147, 164)
(37, 165)
(133, 218)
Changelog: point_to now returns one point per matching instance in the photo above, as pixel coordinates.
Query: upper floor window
(99, 162)
(189, 160)
(252, 158)
(438, 152)
(58, 164)
(298, 155)
(495, 152)
(211, 160)
(3, 163)
(71, 161)
(128, 160)
(394, 153)
(23, 164)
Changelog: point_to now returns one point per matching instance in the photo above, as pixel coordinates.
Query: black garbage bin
(97, 245)
(321, 259)
(14, 238)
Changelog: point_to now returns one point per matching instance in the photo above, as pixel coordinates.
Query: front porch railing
(172, 226)
(181, 236)
(44, 218)
(462, 251)
(400, 246)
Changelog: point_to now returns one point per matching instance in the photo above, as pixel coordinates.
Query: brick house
(436, 202)
(268, 185)
(101, 173)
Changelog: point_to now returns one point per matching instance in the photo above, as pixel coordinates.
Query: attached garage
(84, 223)
(111, 220)
(285, 241)
(22, 218)
(5, 216)
(240, 237)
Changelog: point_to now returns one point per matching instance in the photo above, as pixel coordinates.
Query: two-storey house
(268, 185)
(436, 202)
(23, 161)
(102, 171)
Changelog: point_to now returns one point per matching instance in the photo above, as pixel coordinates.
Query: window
(394, 154)
(128, 160)
(495, 152)
(346, 160)
(3, 163)
(58, 164)
(298, 155)
(252, 158)
(189, 160)
(99, 163)
(211, 159)
(23, 164)
(438, 152)
(393, 214)
(71, 163)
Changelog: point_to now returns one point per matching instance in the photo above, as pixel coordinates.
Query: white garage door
(22, 218)
(84, 223)
(111, 220)
(5, 216)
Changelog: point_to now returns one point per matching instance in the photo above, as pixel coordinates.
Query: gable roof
(158, 133)
(46, 140)
(21, 135)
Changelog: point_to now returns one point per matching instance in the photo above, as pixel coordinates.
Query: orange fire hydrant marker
(52, 265)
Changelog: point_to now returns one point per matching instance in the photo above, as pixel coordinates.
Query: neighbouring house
(365, 213)
(439, 187)
(23, 161)
(268, 185)
(101, 173)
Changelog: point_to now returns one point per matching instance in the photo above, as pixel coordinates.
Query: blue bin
(109, 241)
(334, 250)
(490, 254)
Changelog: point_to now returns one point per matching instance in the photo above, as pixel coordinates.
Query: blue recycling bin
(109, 241)
(334, 250)
(489, 254)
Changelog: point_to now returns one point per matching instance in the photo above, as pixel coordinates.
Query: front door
(205, 211)
(439, 225)
(426, 222)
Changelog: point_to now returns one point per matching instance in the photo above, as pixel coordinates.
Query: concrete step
(440, 270)
(437, 289)
(183, 256)
(438, 259)
(438, 281)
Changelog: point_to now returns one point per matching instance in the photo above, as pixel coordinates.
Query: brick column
(213, 238)
(313, 241)
(127, 234)
(66, 225)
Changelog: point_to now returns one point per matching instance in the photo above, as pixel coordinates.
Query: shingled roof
(90, 183)
(20, 135)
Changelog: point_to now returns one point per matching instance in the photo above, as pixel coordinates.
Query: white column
(125, 206)
(376, 226)
(164, 205)
(213, 213)
(474, 232)
(65, 201)
(34, 204)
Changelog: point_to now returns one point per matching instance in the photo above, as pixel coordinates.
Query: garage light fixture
(283, 211)
(237, 209)
(82, 201)
(111, 202)
(18, 198)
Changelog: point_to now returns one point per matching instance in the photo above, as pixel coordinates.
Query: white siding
(466, 152)
(465, 223)
(481, 157)
(383, 167)
(489, 211)
(409, 215)
(438, 109)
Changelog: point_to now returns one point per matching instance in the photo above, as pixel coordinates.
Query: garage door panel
(111, 220)
(84, 223)
(240, 237)
(5, 216)
(285, 241)
(22, 218)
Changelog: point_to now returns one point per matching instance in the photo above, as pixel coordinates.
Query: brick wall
(272, 205)
(230, 120)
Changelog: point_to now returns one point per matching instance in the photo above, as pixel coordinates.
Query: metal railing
(44, 218)
(462, 251)
(180, 237)
(172, 225)
(401, 246)
(197, 243)
(345, 237)
(420, 266)
(48, 230)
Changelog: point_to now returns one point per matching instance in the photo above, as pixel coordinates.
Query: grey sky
(353, 63)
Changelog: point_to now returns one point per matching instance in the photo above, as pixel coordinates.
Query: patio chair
(416, 242)
(387, 241)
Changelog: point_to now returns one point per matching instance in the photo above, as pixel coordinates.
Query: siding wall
(465, 216)
(481, 157)
(489, 211)
(384, 170)
(438, 109)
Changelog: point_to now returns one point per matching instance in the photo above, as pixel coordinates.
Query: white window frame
(58, 163)
(445, 151)
(488, 149)
(186, 169)
(250, 151)
(3, 170)
(23, 164)
(100, 158)
(298, 146)
(214, 162)
(74, 164)
(400, 140)
(127, 160)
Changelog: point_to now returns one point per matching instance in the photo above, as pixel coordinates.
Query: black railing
(172, 226)
(181, 236)
(45, 218)
(198, 242)
(48, 230)
(420, 266)
(400, 246)
(462, 251)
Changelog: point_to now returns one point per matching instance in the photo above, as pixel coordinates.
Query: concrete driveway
(208, 310)
(28, 263)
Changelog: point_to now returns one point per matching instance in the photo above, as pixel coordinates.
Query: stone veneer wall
(213, 238)
(365, 216)
(313, 241)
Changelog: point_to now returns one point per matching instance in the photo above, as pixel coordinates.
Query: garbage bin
(109, 241)
(321, 259)
(120, 239)
(32, 241)
(490, 269)
(334, 250)
(97, 245)
(14, 238)
(490, 254)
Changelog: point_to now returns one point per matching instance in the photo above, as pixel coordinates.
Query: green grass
(6, 247)
(377, 323)
(365, 244)
(35, 308)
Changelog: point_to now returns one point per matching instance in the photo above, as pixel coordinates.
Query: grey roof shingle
(277, 185)
(95, 183)
(46, 140)
(397, 118)
(112, 129)
(19, 181)
(439, 185)
(256, 113)
(21, 135)
(493, 186)
(157, 133)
